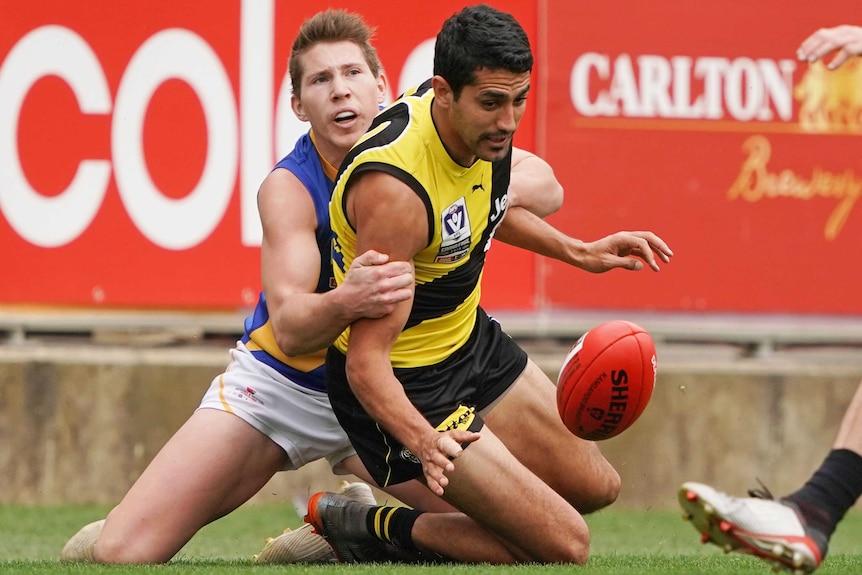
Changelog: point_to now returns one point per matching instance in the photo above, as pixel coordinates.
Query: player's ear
(382, 87)
(442, 91)
(296, 106)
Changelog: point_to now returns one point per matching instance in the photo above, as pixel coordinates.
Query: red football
(606, 380)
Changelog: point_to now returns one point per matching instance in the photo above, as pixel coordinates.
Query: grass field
(625, 542)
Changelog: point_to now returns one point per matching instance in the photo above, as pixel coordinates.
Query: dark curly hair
(480, 37)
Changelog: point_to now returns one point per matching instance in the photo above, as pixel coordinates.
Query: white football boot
(301, 545)
(767, 528)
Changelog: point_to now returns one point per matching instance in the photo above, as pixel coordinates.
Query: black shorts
(448, 394)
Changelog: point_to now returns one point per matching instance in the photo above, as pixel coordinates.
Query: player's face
(488, 112)
(339, 96)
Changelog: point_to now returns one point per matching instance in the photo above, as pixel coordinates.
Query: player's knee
(116, 552)
(114, 546)
(577, 554)
(574, 548)
(613, 485)
(109, 549)
(605, 490)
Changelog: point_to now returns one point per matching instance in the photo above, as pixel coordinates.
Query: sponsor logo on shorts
(247, 394)
(407, 455)
(461, 418)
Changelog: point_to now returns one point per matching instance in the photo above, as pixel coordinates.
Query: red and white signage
(134, 136)
(696, 121)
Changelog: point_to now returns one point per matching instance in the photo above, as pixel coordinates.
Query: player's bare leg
(502, 525)
(213, 464)
(412, 493)
(531, 522)
(850, 432)
(573, 467)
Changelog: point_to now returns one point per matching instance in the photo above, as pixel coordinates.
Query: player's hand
(438, 451)
(846, 39)
(374, 285)
(626, 250)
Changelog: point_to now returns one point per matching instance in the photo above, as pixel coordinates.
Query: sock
(831, 491)
(393, 525)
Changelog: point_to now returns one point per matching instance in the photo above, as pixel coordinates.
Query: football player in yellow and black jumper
(436, 390)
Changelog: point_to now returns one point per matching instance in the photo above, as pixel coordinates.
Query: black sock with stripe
(831, 491)
(393, 525)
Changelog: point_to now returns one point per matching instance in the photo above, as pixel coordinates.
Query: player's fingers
(816, 46)
(449, 447)
(435, 472)
(657, 245)
(810, 43)
(624, 263)
(403, 270)
(400, 294)
(842, 56)
(643, 249)
(432, 484)
(371, 258)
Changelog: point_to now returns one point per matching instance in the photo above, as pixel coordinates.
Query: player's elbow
(289, 343)
(554, 198)
(354, 368)
(359, 369)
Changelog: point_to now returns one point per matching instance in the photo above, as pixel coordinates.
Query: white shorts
(298, 419)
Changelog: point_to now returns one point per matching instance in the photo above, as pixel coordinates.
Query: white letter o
(175, 223)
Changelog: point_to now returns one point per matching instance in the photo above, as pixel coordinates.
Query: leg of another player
(850, 433)
(213, 464)
(512, 514)
(837, 483)
(412, 493)
(573, 467)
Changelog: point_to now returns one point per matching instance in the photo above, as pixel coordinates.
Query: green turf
(625, 542)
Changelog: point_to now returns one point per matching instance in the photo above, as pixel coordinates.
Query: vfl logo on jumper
(455, 232)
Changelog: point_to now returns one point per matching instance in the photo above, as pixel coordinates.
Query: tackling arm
(304, 321)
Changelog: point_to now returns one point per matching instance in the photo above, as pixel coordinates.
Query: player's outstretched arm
(533, 185)
(304, 321)
(846, 39)
(626, 250)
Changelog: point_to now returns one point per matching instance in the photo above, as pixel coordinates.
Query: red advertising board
(135, 135)
(696, 121)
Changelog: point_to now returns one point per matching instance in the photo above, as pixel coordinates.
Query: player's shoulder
(418, 90)
(281, 182)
